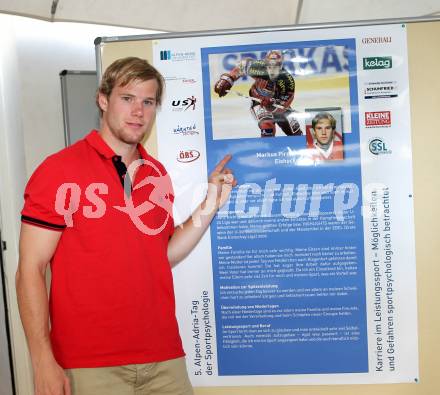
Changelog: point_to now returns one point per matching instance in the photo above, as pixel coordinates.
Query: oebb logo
(188, 156)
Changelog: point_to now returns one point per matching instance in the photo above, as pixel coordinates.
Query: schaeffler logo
(378, 119)
(380, 90)
(188, 156)
(160, 196)
(188, 103)
(375, 63)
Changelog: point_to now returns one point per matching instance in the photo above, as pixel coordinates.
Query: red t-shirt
(112, 299)
(336, 153)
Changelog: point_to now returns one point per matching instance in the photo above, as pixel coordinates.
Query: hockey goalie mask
(274, 63)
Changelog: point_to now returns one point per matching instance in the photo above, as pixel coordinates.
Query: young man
(111, 246)
(325, 146)
(272, 93)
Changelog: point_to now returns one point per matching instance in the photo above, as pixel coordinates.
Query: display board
(80, 115)
(322, 291)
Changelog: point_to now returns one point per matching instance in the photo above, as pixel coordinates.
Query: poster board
(109, 51)
(78, 90)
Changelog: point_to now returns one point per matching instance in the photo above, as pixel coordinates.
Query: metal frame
(102, 40)
(65, 101)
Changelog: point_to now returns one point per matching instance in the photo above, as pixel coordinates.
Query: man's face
(324, 132)
(273, 71)
(130, 110)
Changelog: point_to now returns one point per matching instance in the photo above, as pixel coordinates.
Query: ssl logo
(377, 147)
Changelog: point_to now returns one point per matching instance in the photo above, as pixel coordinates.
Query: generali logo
(378, 119)
(378, 62)
(188, 156)
(377, 40)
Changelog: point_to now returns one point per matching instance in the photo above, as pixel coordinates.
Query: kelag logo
(188, 156)
(378, 119)
(378, 147)
(375, 63)
(184, 104)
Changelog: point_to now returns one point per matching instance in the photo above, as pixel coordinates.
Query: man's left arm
(186, 236)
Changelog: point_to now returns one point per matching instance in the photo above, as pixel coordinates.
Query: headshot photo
(324, 142)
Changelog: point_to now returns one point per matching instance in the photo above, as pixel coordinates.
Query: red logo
(378, 118)
(188, 156)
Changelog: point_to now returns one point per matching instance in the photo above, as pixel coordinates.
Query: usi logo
(185, 104)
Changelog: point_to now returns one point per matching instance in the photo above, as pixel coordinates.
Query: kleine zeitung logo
(378, 119)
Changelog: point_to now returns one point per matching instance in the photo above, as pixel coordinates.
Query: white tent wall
(44, 49)
(12, 178)
(32, 54)
(317, 11)
(195, 15)
(177, 15)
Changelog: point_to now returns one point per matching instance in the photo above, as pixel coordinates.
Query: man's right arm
(37, 246)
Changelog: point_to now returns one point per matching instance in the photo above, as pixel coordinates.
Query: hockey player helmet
(274, 63)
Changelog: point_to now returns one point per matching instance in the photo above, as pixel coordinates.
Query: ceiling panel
(178, 15)
(189, 15)
(318, 11)
(36, 8)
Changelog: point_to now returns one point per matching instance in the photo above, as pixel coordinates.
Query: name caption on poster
(202, 335)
